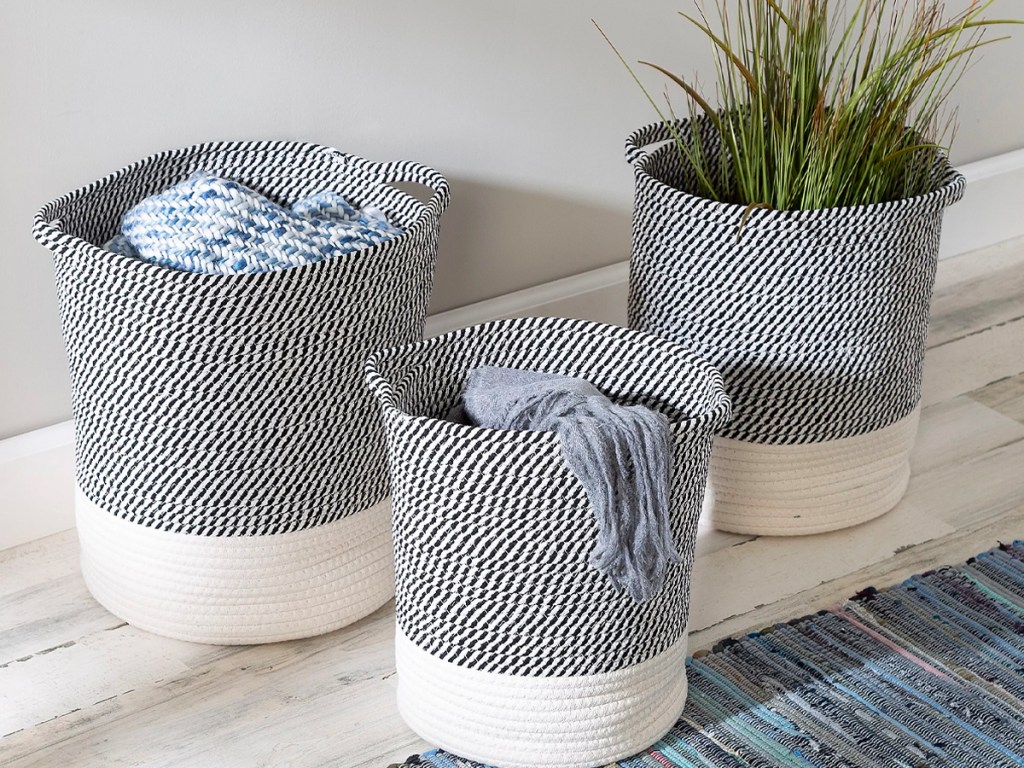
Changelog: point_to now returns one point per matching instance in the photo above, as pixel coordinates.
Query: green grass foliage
(823, 104)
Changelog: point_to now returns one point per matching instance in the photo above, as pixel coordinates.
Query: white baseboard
(37, 484)
(990, 211)
(599, 294)
(37, 468)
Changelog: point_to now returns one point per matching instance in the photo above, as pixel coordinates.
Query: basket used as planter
(511, 649)
(817, 320)
(231, 479)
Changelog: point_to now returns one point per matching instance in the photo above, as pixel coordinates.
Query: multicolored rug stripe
(929, 673)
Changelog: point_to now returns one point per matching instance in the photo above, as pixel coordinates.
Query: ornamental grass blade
(746, 215)
(729, 53)
(692, 92)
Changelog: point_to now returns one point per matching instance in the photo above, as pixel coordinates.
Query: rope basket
(818, 321)
(511, 649)
(231, 480)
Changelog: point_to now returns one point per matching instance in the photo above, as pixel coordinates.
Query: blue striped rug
(929, 673)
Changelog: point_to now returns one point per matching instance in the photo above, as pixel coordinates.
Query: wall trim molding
(990, 210)
(537, 300)
(988, 214)
(37, 441)
(997, 165)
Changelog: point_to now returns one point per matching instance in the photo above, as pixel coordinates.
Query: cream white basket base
(235, 590)
(519, 721)
(791, 490)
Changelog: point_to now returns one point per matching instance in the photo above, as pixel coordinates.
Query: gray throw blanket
(621, 455)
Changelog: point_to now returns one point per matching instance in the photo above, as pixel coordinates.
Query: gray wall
(520, 104)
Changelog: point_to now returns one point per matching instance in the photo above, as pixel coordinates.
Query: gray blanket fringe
(621, 455)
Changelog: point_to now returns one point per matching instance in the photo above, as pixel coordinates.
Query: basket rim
(949, 190)
(48, 231)
(710, 413)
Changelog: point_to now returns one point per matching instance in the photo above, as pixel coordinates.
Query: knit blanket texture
(620, 453)
(214, 225)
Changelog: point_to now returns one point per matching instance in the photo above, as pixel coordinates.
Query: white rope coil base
(791, 490)
(520, 721)
(234, 590)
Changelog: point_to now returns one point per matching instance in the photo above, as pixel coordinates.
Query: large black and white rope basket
(230, 468)
(511, 648)
(818, 322)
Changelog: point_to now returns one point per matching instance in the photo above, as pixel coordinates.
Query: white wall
(520, 104)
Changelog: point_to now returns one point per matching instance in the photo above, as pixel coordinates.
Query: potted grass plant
(787, 228)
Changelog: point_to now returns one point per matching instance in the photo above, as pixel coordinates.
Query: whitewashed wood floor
(78, 687)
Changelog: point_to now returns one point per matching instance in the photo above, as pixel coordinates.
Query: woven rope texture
(238, 590)
(234, 405)
(493, 531)
(817, 319)
(791, 490)
(515, 721)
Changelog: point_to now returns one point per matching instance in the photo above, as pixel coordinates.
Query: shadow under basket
(511, 648)
(816, 319)
(230, 470)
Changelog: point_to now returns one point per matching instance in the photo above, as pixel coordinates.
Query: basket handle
(644, 137)
(404, 170)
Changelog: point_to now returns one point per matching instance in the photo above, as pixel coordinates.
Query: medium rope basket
(230, 470)
(817, 320)
(511, 648)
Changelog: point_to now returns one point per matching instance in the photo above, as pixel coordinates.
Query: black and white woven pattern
(493, 530)
(817, 319)
(235, 405)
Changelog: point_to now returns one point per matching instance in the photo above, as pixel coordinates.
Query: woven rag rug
(926, 673)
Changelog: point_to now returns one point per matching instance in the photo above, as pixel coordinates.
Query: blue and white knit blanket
(214, 225)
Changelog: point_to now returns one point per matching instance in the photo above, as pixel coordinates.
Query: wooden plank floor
(78, 687)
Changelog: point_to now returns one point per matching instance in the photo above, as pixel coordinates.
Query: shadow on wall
(496, 239)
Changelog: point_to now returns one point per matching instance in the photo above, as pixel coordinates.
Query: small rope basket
(511, 648)
(818, 322)
(231, 481)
